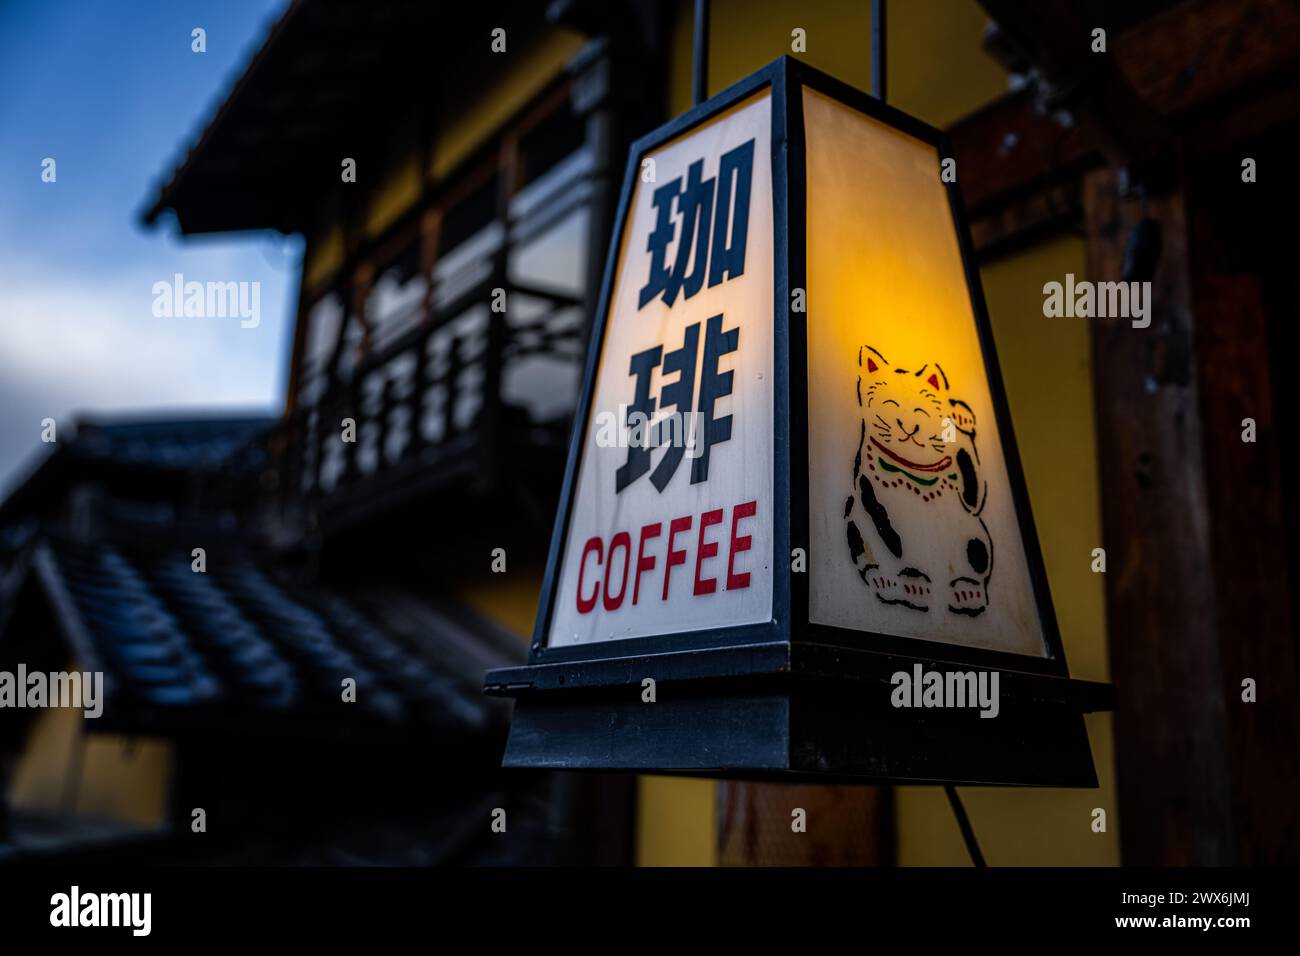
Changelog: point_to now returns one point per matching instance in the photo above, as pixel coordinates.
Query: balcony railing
(429, 407)
(464, 393)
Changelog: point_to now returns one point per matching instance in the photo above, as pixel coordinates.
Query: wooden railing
(428, 406)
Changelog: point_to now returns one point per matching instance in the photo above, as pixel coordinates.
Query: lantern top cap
(783, 75)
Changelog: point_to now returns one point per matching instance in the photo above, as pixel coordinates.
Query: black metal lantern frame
(788, 698)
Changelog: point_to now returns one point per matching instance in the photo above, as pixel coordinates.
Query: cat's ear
(936, 378)
(870, 359)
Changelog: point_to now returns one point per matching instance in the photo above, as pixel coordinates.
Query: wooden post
(845, 825)
(1236, 258)
(364, 276)
(1171, 756)
(492, 418)
(1196, 565)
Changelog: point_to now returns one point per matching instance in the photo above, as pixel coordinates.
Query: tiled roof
(126, 454)
(321, 81)
(237, 641)
(182, 444)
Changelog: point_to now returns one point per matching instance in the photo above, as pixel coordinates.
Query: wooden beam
(846, 825)
(1006, 150)
(1057, 41)
(1203, 52)
(1270, 110)
(1172, 759)
(1011, 226)
(302, 317)
(1195, 525)
(1220, 71)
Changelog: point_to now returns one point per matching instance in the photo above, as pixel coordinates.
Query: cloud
(69, 345)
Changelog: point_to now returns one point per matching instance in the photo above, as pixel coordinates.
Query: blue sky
(113, 92)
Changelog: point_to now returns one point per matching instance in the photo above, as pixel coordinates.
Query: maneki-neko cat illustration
(913, 520)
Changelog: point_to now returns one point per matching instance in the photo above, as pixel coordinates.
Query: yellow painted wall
(676, 822)
(399, 191)
(937, 71)
(323, 259)
(508, 600)
(121, 778)
(522, 76)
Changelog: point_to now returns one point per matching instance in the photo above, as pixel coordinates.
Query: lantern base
(799, 711)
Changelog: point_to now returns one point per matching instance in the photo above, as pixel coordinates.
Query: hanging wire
(878, 49)
(963, 822)
(700, 66)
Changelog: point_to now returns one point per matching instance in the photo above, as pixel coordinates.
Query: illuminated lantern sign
(670, 528)
(794, 537)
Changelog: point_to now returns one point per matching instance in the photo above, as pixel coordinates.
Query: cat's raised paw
(967, 596)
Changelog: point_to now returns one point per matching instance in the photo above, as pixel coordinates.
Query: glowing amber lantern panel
(912, 523)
